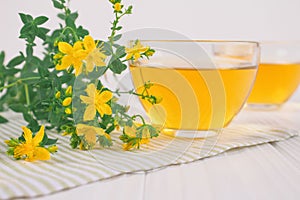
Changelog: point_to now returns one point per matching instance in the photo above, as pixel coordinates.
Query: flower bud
(68, 111)
(57, 95)
(69, 91)
(52, 149)
(117, 7)
(67, 101)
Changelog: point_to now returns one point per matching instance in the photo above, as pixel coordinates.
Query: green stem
(72, 30)
(139, 116)
(27, 94)
(19, 81)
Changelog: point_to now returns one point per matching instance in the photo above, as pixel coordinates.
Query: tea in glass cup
(202, 84)
(278, 74)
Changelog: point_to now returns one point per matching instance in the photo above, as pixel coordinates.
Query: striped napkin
(71, 168)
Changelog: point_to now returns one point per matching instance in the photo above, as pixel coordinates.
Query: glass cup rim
(202, 41)
(277, 42)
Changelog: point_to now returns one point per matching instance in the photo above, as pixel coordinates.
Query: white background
(258, 20)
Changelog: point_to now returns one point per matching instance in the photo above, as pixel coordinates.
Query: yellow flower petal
(78, 68)
(78, 46)
(90, 113)
(104, 109)
(129, 56)
(89, 65)
(89, 43)
(105, 96)
(86, 100)
(66, 62)
(41, 153)
(27, 134)
(91, 90)
(136, 56)
(130, 131)
(64, 47)
(38, 137)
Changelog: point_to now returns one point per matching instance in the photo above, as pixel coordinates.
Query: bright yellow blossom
(30, 150)
(131, 132)
(68, 111)
(67, 101)
(94, 55)
(73, 56)
(96, 101)
(136, 51)
(90, 133)
(69, 91)
(57, 95)
(117, 7)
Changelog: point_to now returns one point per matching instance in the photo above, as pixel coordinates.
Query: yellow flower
(72, 56)
(131, 132)
(30, 149)
(96, 101)
(94, 55)
(57, 95)
(90, 133)
(67, 101)
(136, 51)
(69, 91)
(68, 111)
(117, 7)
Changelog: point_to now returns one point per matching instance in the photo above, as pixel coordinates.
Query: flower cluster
(64, 89)
(31, 148)
(81, 52)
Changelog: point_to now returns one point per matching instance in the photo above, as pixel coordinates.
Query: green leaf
(17, 107)
(3, 120)
(27, 117)
(107, 49)
(40, 20)
(16, 61)
(2, 56)
(42, 33)
(74, 16)
(34, 125)
(57, 4)
(61, 16)
(70, 22)
(117, 66)
(25, 18)
(51, 141)
(11, 72)
(118, 28)
(26, 29)
(117, 37)
(120, 52)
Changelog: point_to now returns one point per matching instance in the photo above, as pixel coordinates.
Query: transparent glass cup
(202, 85)
(278, 75)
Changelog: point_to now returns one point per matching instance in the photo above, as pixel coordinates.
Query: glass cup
(202, 84)
(278, 75)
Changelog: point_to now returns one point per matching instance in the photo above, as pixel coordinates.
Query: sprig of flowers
(64, 88)
(31, 148)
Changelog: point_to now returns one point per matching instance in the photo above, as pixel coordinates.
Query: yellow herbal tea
(275, 83)
(194, 99)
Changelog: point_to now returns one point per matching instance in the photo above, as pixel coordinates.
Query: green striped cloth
(71, 168)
